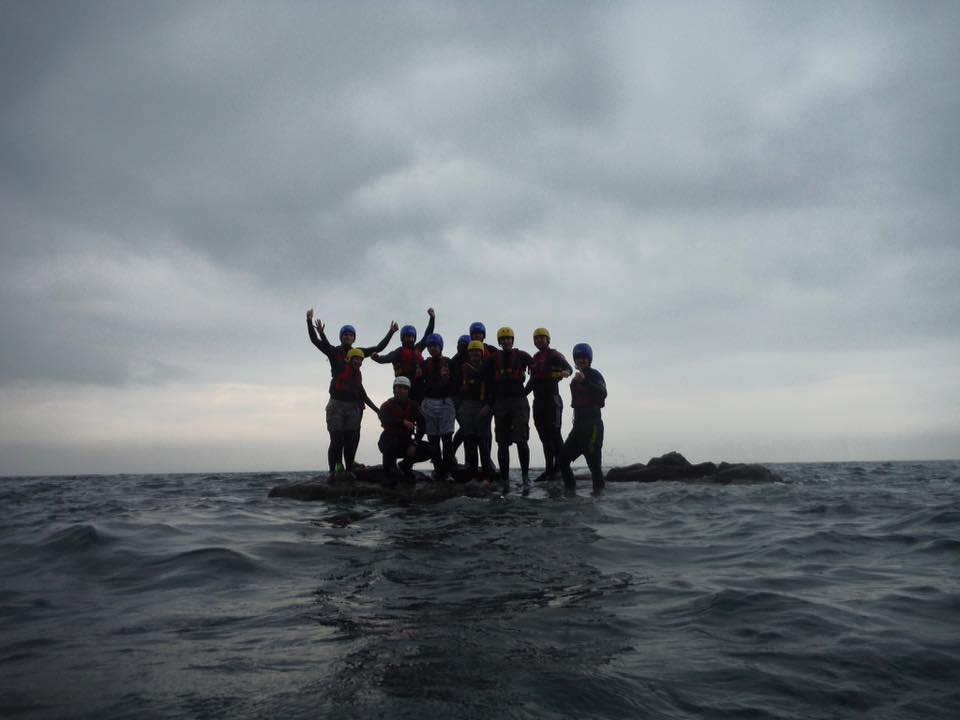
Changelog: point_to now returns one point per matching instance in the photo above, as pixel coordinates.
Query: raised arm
(422, 343)
(368, 351)
(315, 331)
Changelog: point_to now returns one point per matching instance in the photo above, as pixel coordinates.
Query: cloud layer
(745, 208)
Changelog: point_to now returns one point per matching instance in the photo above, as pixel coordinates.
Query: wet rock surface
(420, 487)
(674, 466)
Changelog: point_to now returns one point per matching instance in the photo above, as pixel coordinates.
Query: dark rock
(374, 482)
(674, 466)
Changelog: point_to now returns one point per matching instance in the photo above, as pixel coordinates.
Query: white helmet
(401, 380)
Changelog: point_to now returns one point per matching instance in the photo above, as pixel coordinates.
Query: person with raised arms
(588, 392)
(506, 372)
(439, 386)
(549, 367)
(403, 423)
(344, 411)
(407, 360)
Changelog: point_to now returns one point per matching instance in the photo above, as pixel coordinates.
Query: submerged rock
(419, 487)
(674, 466)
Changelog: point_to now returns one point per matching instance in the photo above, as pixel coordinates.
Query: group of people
(477, 386)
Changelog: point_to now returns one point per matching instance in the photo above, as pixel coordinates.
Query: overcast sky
(750, 210)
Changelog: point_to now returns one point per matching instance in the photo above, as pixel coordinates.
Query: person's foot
(526, 485)
(505, 485)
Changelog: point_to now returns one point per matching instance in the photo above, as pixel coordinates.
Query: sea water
(832, 594)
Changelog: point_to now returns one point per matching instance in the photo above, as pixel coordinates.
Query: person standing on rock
(343, 415)
(506, 372)
(347, 389)
(407, 360)
(403, 423)
(477, 437)
(588, 391)
(439, 386)
(549, 367)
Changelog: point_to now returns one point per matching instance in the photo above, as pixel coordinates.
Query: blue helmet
(476, 327)
(348, 329)
(435, 339)
(408, 330)
(583, 350)
(463, 340)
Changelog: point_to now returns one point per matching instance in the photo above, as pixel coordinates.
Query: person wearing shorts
(344, 415)
(439, 387)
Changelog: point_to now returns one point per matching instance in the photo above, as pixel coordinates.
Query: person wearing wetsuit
(343, 416)
(549, 367)
(506, 372)
(456, 362)
(439, 386)
(478, 333)
(477, 438)
(588, 391)
(347, 389)
(402, 422)
(407, 360)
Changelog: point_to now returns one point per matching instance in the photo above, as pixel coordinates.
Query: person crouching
(402, 423)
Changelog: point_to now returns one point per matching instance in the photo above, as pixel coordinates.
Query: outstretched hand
(431, 312)
(394, 326)
(319, 326)
(310, 316)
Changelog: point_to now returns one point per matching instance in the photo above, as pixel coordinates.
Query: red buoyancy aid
(471, 382)
(410, 359)
(348, 381)
(515, 371)
(545, 366)
(393, 414)
(583, 395)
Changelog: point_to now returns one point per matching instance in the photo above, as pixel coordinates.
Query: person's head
(435, 344)
(541, 338)
(475, 352)
(355, 357)
(582, 356)
(348, 335)
(478, 331)
(462, 343)
(505, 338)
(408, 336)
(401, 388)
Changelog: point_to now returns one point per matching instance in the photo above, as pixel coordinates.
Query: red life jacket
(544, 367)
(584, 396)
(515, 371)
(392, 415)
(471, 382)
(432, 368)
(410, 359)
(348, 381)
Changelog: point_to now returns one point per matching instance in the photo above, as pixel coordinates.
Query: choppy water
(834, 594)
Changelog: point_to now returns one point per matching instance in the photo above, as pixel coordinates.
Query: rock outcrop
(374, 482)
(674, 466)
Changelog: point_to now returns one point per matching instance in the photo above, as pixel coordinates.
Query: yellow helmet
(541, 331)
(354, 352)
(475, 345)
(505, 332)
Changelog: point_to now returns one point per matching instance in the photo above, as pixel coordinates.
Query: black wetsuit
(586, 437)
(548, 368)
